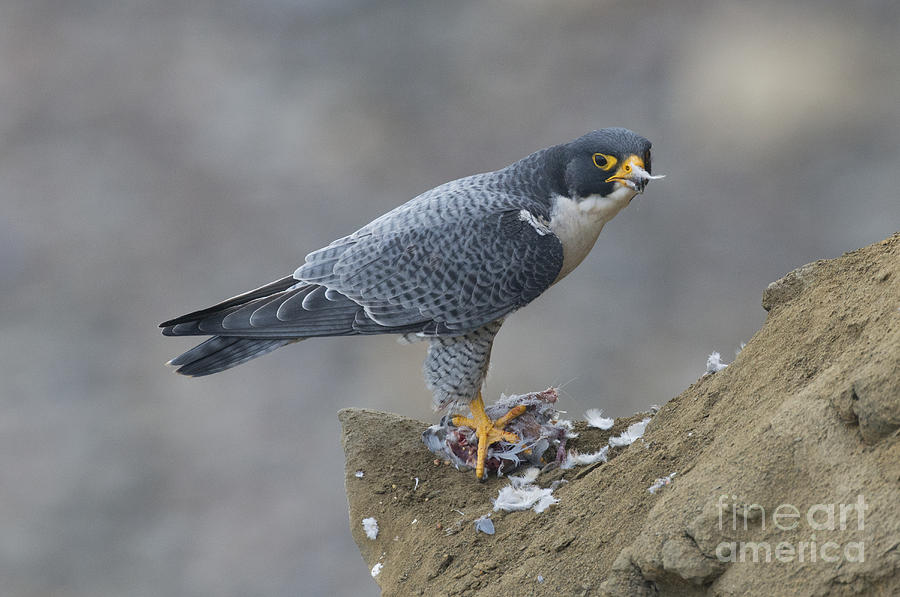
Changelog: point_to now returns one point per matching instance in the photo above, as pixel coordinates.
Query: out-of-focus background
(156, 157)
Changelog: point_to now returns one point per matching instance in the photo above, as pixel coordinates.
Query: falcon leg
(487, 431)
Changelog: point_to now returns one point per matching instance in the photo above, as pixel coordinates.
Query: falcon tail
(284, 311)
(224, 352)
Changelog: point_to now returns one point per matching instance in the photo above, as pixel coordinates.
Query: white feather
(539, 225)
(714, 363)
(521, 494)
(574, 458)
(370, 526)
(528, 477)
(596, 419)
(630, 435)
(661, 482)
(523, 498)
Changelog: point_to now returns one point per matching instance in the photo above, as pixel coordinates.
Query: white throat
(577, 224)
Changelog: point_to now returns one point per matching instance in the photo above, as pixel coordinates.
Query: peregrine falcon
(448, 266)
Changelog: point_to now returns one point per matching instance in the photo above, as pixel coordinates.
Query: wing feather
(458, 276)
(448, 262)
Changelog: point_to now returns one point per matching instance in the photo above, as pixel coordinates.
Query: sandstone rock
(802, 430)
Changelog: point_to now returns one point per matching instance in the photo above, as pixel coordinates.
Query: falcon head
(606, 161)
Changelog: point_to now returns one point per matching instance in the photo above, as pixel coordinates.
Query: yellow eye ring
(609, 162)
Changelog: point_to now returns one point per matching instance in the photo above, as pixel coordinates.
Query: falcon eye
(603, 161)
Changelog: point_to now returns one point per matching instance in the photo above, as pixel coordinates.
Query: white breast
(577, 224)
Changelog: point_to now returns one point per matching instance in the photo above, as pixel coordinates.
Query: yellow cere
(626, 168)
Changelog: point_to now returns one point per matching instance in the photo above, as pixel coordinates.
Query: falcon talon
(538, 428)
(448, 266)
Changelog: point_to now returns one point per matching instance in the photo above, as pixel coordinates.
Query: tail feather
(278, 315)
(261, 292)
(281, 312)
(223, 352)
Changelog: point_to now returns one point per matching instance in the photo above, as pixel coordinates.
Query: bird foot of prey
(487, 431)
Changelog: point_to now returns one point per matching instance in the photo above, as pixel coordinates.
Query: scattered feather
(634, 432)
(370, 526)
(596, 419)
(359, 474)
(376, 569)
(528, 477)
(524, 497)
(541, 227)
(661, 482)
(455, 528)
(574, 458)
(643, 174)
(485, 525)
(714, 363)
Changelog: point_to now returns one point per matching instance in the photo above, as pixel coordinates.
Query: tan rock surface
(804, 421)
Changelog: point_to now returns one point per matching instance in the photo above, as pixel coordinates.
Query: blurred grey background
(156, 157)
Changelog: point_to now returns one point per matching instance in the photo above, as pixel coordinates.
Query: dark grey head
(603, 161)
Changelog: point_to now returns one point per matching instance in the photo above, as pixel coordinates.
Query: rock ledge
(806, 418)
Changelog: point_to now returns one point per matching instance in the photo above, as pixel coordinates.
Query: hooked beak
(631, 174)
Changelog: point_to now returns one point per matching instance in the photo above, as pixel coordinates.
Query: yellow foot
(487, 431)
